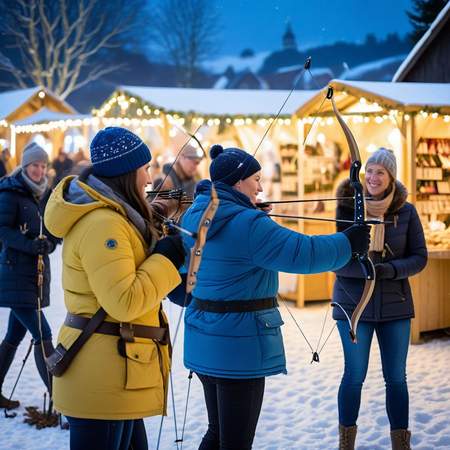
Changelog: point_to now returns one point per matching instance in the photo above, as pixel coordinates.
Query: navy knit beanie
(231, 164)
(116, 151)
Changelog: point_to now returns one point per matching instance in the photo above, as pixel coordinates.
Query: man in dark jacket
(23, 196)
(183, 174)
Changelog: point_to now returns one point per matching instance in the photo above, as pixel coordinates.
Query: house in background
(429, 60)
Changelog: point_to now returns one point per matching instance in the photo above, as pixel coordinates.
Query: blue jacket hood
(231, 201)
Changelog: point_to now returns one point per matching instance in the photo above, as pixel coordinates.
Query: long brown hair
(125, 187)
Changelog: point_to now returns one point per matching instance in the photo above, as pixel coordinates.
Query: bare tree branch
(57, 42)
(185, 31)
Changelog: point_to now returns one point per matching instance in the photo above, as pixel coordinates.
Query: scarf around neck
(38, 189)
(376, 209)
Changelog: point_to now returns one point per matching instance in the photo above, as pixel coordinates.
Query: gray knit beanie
(386, 158)
(33, 153)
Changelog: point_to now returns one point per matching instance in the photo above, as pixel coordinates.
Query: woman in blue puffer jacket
(232, 325)
(398, 251)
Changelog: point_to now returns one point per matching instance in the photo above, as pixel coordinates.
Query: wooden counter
(431, 293)
(318, 286)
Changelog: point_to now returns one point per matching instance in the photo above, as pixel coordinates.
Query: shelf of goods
(431, 287)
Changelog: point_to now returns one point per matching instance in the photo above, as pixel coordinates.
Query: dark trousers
(393, 340)
(93, 434)
(22, 320)
(233, 412)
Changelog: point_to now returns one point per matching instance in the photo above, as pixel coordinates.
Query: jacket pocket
(143, 369)
(269, 335)
(269, 322)
(8, 257)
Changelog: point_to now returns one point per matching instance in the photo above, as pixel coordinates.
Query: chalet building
(429, 60)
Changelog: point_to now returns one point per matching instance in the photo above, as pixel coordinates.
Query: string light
(113, 112)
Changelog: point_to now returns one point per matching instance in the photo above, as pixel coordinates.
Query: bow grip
(367, 268)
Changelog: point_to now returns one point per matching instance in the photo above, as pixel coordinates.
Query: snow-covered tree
(423, 14)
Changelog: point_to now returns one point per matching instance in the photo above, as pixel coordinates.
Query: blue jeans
(393, 340)
(94, 434)
(23, 319)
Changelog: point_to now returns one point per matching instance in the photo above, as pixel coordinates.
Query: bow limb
(197, 249)
(360, 217)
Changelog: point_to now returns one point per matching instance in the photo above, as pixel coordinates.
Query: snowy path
(299, 411)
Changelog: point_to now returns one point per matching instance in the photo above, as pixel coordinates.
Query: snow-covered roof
(220, 102)
(11, 101)
(314, 70)
(406, 96)
(46, 115)
(238, 63)
(423, 43)
(358, 72)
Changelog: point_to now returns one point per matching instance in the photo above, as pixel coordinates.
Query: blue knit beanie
(231, 164)
(116, 151)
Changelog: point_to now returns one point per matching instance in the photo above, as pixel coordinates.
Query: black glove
(385, 271)
(40, 246)
(359, 237)
(172, 248)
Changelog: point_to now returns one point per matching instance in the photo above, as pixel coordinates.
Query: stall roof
(47, 115)
(12, 101)
(220, 102)
(423, 43)
(404, 96)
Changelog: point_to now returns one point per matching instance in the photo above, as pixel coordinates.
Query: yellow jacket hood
(71, 200)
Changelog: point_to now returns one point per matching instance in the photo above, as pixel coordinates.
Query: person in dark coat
(62, 165)
(3, 171)
(23, 195)
(398, 251)
(183, 174)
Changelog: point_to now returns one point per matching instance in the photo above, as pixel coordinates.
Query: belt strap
(159, 334)
(232, 306)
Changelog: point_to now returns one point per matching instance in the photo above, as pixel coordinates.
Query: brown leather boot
(401, 439)
(347, 437)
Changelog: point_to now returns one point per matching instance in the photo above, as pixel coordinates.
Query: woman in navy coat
(398, 251)
(23, 196)
(232, 325)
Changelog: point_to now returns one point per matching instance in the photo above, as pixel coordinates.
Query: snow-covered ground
(299, 410)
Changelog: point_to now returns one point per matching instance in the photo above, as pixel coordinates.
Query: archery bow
(359, 218)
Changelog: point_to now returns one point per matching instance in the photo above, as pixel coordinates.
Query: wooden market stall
(17, 106)
(164, 116)
(413, 119)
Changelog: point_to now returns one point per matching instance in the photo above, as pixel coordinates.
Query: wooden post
(300, 194)
(12, 141)
(409, 158)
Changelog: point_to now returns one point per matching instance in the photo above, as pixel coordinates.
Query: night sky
(259, 24)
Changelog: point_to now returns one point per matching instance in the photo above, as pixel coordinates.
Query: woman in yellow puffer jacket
(112, 259)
